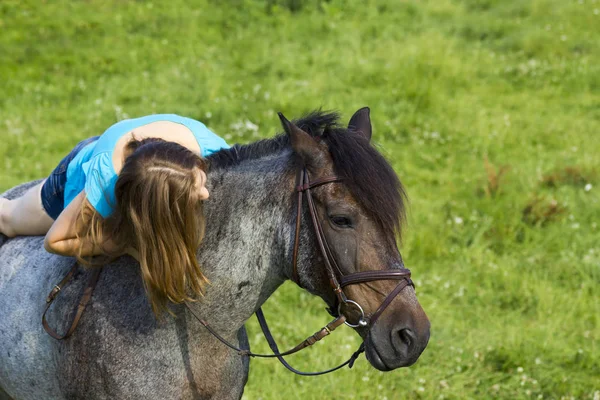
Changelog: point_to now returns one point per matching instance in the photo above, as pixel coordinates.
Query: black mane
(366, 173)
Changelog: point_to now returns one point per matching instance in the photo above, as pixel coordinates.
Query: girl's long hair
(159, 214)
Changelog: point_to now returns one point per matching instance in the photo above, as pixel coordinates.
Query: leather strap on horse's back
(87, 295)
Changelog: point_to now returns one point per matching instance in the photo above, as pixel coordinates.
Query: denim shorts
(53, 190)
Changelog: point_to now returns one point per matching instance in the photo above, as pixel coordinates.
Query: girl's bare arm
(62, 236)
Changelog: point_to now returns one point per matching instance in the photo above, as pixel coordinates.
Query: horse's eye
(341, 221)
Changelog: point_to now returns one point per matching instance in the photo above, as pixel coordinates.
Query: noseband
(331, 266)
(333, 272)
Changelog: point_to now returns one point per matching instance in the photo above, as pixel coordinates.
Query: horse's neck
(245, 252)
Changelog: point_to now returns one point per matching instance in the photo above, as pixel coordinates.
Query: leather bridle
(333, 270)
(337, 279)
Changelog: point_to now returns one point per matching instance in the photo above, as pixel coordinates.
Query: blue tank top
(92, 169)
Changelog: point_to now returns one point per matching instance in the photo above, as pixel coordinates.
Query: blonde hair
(158, 213)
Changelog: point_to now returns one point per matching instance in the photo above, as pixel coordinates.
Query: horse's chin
(373, 356)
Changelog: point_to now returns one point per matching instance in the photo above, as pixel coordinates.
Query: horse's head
(360, 218)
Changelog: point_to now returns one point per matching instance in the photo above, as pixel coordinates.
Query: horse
(257, 236)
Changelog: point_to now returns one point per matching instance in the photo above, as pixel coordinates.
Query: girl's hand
(201, 185)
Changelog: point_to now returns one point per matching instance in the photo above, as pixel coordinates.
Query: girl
(136, 189)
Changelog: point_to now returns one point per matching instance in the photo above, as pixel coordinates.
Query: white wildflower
(250, 126)
(242, 126)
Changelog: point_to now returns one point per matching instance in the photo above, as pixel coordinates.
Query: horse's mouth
(373, 356)
(380, 362)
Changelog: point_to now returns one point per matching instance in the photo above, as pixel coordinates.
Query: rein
(304, 186)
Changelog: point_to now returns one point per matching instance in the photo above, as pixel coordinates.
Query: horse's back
(117, 330)
(119, 349)
(26, 352)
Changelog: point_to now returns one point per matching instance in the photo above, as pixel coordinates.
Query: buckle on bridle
(53, 293)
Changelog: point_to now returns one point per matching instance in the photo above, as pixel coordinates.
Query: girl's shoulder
(209, 141)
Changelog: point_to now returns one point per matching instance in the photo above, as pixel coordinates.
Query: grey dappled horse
(120, 350)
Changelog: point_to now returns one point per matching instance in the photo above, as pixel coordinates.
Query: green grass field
(489, 111)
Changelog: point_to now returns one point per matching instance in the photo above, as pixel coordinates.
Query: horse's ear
(313, 155)
(361, 122)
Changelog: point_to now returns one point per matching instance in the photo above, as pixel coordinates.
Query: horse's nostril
(407, 336)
